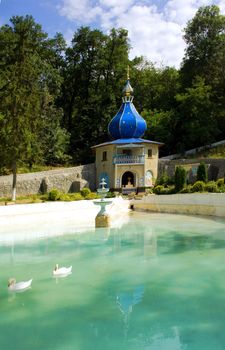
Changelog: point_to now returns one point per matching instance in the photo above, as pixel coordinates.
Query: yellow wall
(115, 172)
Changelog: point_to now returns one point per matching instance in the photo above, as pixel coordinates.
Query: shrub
(220, 182)
(110, 195)
(186, 189)
(54, 195)
(148, 191)
(162, 180)
(85, 191)
(76, 197)
(202, 173)
(198, 186)
(211, 187)
(158, 189)
(221, 189)
(180, 178)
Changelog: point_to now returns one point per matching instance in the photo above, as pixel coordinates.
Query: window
(127, 152)
(149, 153)
(104, 156)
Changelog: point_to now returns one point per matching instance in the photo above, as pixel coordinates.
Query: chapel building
(129, 163)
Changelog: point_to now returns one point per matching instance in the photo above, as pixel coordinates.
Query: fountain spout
(102, 219)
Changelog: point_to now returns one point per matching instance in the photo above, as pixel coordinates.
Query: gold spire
(128, 90)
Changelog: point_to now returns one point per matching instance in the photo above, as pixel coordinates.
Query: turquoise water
(156, 283)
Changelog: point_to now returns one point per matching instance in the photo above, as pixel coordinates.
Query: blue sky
(154, 26)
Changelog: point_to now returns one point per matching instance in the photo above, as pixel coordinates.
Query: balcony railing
(123, 159)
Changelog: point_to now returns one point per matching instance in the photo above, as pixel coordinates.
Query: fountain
(102, 219)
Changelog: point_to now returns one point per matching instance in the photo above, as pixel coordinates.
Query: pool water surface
(157, 282)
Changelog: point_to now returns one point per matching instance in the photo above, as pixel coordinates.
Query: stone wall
(216, 167)
(65, 180)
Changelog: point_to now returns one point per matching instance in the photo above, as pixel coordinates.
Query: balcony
(124, 159)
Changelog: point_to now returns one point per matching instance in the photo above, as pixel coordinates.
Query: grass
(39, 198)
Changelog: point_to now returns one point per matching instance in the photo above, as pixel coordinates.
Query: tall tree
(26, 76)
(92, 83)
(205, 58)
(205, 52)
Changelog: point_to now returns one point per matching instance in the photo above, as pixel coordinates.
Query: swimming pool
(157, 282)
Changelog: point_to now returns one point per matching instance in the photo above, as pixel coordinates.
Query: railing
(123, 159)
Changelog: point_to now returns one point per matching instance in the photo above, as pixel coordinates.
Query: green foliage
(85, 192)
(163, 190)
(162, 180)
(75, 196)
(220, 182)
(54, 195)
(158, 189)
(186, 189)
(180, 178)
(211, 186)
(202, 172)
(92, 195)
(111, 195)
(56, 101)
(198, 186)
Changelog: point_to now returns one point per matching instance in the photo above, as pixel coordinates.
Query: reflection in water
(126, 301)
(160, 277)
(163, 341)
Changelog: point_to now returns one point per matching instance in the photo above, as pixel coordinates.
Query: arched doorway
(128, 180)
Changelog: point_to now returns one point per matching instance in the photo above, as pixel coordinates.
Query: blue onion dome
(127, 123)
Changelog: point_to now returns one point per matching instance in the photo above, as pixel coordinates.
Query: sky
(155, 27)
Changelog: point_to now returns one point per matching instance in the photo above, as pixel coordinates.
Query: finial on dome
(128, 90)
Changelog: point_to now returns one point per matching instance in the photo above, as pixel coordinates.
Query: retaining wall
(65, 180)
(212, 204)
(216, 167)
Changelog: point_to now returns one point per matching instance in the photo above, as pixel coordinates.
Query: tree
(26, 77)
(197, 122)
(92, 85)
(205, 53)
(205, 58)
(180, 178)
(202, 173)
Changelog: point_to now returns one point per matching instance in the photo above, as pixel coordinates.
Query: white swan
(62, 271)
(19, 286)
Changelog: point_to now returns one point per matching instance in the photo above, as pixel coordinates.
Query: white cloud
(154, 33)
(82, 10)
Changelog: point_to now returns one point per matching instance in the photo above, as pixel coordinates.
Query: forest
(56, 100)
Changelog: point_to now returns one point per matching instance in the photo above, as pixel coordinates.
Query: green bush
(66, 197)
(202, 173)
(110, 195)
(92, 195)
(164, 180)
(221, 189)
(198, 186)
(76, 196)
(211, 186)
(186, 189)
(220, 182)
(180, 178)
(158, 189)
(85, 191)
(54, 195)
